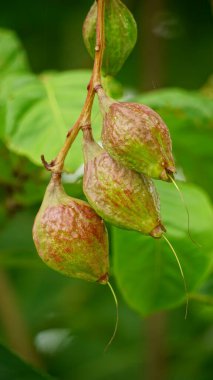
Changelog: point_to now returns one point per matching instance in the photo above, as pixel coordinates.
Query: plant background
(61, 325)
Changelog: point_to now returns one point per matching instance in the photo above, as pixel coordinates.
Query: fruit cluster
(70, 234)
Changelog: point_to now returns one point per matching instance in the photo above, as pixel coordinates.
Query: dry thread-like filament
(186, 208)
(181, 271)
(117, 317)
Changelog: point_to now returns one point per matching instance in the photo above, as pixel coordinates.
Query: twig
(56, 166)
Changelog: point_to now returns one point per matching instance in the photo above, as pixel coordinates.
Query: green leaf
(13, 62)
(207, 89)
(16, 244)
(146, 270)
(13, 58)
(12, 367)
(6, 175)
(39, 112)
(181, 106)
(189, 116)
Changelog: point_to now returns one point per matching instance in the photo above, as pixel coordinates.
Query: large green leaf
(12, 367)
(13, 62)
(189, 116)
(146, 270)
(181, 106)
(40, 110)
(6, 167)
(13, 58)
(16, 244)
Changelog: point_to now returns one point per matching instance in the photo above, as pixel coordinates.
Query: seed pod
(120, 34)
(70, 237)
(119, 195)
(137, 137)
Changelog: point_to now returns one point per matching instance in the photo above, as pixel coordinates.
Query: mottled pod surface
(70, 237)
(119, 195)
(120, 34)
(137, 137)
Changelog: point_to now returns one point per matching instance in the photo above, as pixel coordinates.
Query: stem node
(47, 165)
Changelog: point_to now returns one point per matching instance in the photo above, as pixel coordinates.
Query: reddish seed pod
(119, 195)
(136, 136)
(70, 237)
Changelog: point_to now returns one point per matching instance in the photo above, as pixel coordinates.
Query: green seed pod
(70, 237)
(120, 35)
(137, 137)
(119, 195)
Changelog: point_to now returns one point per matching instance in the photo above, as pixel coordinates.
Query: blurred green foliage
(68, 321)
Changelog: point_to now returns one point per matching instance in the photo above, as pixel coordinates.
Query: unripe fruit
(70, 237)
(120, 34)
(119, 195)
(137, 137)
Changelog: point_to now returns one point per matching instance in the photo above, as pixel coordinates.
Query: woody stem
(56, 166)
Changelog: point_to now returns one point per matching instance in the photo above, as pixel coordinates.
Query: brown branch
(56, 166)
